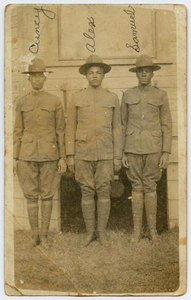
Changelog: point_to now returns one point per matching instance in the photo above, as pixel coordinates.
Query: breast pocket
(47, 113)
(133, 103)
(27, 108)
(154, 105)
(83, 109)
(28, 115)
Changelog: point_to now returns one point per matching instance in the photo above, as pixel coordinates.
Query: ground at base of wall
(122, 268)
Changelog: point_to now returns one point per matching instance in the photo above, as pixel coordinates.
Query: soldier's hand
(117, 164)
(15, 166)
(62, 166)
(125, 161)
(163, 163)
(71, 163)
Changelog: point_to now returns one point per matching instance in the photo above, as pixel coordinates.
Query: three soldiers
(39, 149)
(147, 135)
(94, 145)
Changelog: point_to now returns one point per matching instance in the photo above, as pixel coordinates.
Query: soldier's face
(144, 75)
(95, 76)
(37, 80)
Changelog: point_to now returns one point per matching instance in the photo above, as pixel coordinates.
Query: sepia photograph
(95, 150)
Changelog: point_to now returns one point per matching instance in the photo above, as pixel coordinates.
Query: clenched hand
(117, 164)
(125, 161)
(163, 163)
(71, 163)
(61, 166)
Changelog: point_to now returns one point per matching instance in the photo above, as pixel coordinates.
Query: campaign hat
(94, 60)
(144, 61)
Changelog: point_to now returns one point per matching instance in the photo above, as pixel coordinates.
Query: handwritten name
(90, 45)
(34, 48)
(131, 12)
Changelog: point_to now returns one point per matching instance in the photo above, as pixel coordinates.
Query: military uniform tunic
(94, 127)
(147, 132)
(39, 128)
(93, 134)
(39, 143)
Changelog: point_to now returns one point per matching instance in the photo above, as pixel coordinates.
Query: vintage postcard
(95, 149)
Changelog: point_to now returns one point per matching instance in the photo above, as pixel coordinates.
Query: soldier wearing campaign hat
(39, 149)
(147, 136)
(94, 146)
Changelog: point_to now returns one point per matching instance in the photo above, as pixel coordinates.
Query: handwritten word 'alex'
(34, 48)
(131, 12)
(90, 35)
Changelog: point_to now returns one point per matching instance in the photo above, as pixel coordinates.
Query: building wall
(66, 80)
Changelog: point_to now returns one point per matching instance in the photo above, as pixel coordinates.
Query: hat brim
(154, 67)
(84, 68)
(27, 72)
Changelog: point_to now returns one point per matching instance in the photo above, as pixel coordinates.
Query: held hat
(94, 60)
(36, 66)
(117, 187)
(144, 61)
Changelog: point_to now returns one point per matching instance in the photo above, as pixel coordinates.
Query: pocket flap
(27, 108)
(132, 99)
(129, 131)
(48, 107)
(157, 133)
(81, 136)
(155, 101)
(108, 104)
(82, 103)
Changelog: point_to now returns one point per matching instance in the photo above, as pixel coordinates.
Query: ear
(29, 79)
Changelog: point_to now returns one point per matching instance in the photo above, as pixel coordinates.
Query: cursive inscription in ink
(90, 45)
(34, 48)
(131, 13)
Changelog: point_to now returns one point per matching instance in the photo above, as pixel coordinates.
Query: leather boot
(88, 210)
(137, 210)
(151, 210)
(32, 208)
(103, 212)
(46, 211)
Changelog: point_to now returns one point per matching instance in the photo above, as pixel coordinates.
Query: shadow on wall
(121, 212)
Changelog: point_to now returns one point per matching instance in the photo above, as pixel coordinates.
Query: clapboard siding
(173, 189)
(116, 72)
(173, 208)
(115, 83)
(172, 171)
